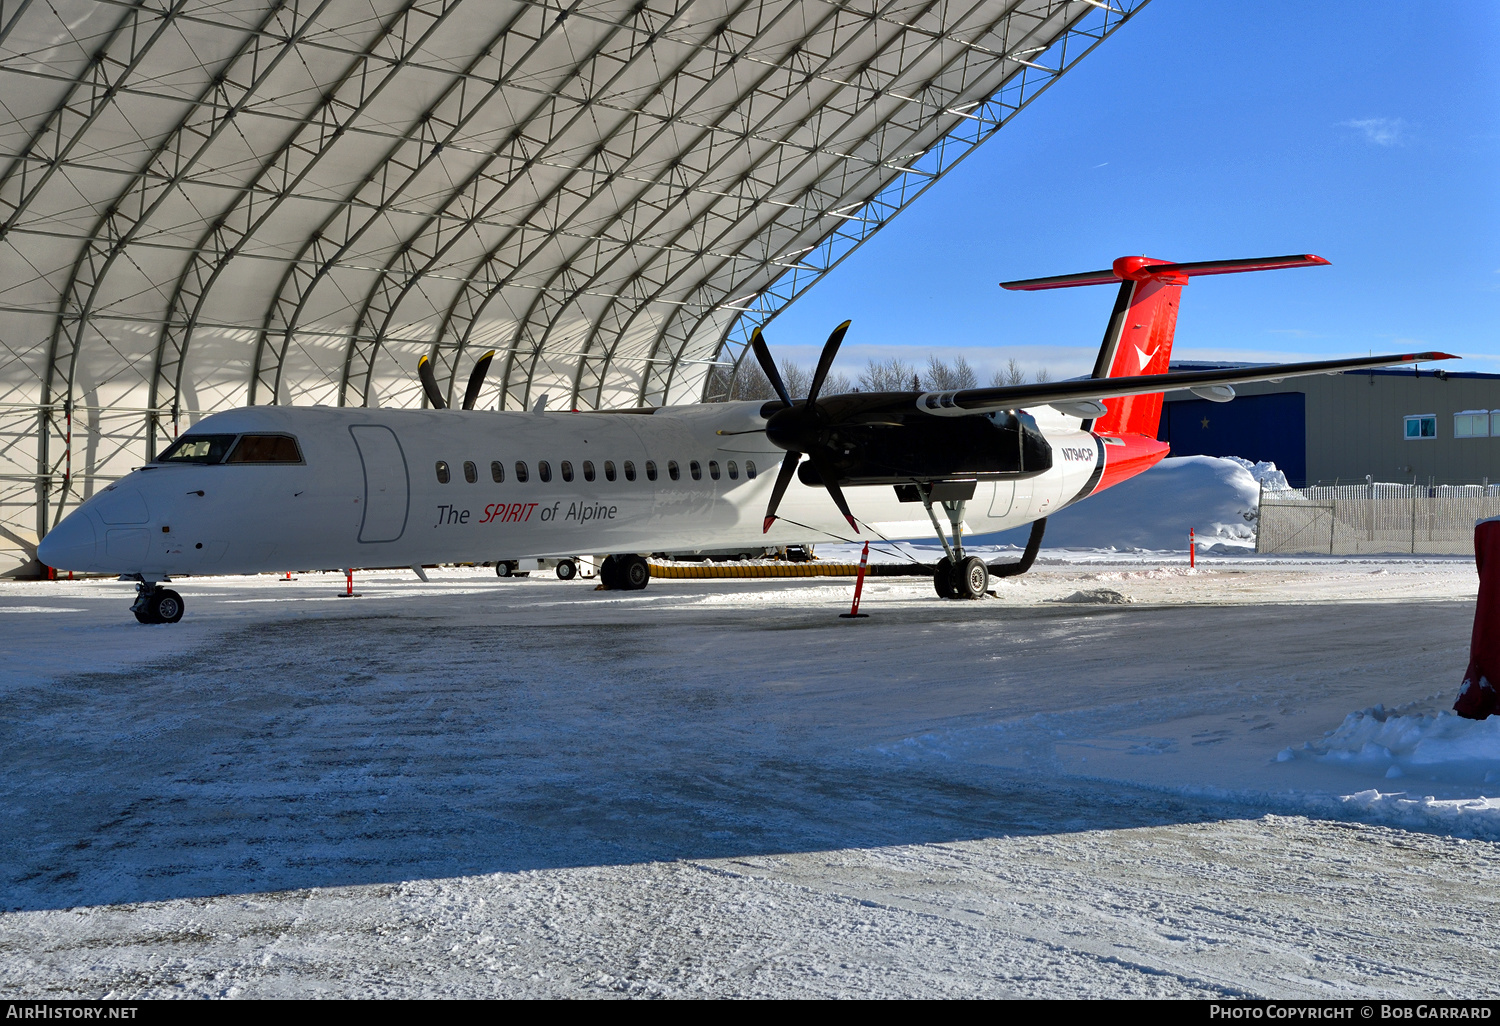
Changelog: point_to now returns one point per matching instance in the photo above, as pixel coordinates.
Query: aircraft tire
(567, 570)
(609, 573)
(634, 572)
(165, 606)
(942, 579)
(503, 569)
(142, 615)
(971, 578)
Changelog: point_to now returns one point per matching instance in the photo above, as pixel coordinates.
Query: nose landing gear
(155, 604)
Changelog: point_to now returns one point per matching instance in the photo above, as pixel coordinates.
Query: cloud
(1380, 131)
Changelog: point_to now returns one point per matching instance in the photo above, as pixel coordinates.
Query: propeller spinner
(802, 428)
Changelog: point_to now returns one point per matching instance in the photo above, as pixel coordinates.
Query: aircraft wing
(1009, 397)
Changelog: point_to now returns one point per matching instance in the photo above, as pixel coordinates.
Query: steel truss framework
(208, 203)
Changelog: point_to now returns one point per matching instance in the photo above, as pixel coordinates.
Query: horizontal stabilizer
(1142, 268)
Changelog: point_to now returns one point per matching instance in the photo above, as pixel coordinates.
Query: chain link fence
(1345, 520)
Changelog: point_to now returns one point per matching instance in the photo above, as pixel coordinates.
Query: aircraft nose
(71, 545)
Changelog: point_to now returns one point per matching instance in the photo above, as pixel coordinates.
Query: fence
(1374, 518)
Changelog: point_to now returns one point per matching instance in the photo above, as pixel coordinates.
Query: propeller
(476, 379)
(802, 429)
(429, 384)
(471, 393)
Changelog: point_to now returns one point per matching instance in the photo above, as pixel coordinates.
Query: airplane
(263, 488)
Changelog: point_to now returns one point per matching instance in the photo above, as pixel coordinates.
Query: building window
(750, 469)
(713, 469)
(544, 471)
(497, 471)
(1471, 424)
(1422, 425)
(650, 470)
(471, 472)
(609, 470)
(734, 470)
(566, 469)
(442, 471)
(1495, 423)
(629, 471)
(673, 470)
(588, 470)
(521, 473)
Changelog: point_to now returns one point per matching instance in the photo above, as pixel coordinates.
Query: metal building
(1427, 426)
(212, 203)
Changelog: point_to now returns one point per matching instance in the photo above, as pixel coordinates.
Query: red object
(859, 586)
(1192, 549)
(1476, 699)
(348, 582)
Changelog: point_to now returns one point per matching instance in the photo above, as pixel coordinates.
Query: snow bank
(1441, 746)
(1217, 498)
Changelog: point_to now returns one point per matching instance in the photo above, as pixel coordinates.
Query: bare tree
(944, 377)
(796, 378)
(1043, 375)
(889, 376)
(1010, 374)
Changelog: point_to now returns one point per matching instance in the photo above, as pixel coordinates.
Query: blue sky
(1366, 133)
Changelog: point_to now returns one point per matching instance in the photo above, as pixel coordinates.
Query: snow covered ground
(1235, 780)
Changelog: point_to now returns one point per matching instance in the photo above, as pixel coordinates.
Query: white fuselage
(367, 493)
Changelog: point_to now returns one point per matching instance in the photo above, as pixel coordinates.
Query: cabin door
(387, 484)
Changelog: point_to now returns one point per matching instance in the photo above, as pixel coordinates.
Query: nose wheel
(155, 604)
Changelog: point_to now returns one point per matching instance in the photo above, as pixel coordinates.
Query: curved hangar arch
(209, 203)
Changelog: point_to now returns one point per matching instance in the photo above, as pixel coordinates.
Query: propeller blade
(834, 491)
(788, 468)
(429, 384)
(763, 354)
(825, 362)
(476, 379)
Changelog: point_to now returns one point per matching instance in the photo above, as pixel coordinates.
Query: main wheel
(609, 573)
(567, 570)
(504, 569)
(971, 578)
(142, 615)
(634, 572)
(165, 606)
(942, 579)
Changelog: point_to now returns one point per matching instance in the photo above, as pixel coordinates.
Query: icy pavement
(479, 786)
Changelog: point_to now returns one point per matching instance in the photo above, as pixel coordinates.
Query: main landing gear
(957, 576)
(628, 572)
(155, 604)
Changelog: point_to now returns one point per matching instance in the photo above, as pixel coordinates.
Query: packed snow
(1214, 497)
(1118, 775)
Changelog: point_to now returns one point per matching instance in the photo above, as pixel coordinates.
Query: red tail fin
(1138, 339)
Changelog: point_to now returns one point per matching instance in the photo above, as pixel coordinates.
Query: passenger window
(713, 469)
(497, 471)
(696, 469)
(266, 449)
(629, 470)
(650, 470)
(673, 470)
(567, 470)
(544, 470)
(734, 471)
(521, 474)
(471, 472)
(750, 470)
(442, 472)
(588, 470)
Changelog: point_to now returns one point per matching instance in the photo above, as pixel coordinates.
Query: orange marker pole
(859, 587)
(1192, 549)
(348, 591)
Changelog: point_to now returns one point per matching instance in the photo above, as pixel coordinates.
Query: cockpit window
(197, 449)
(266, 449)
